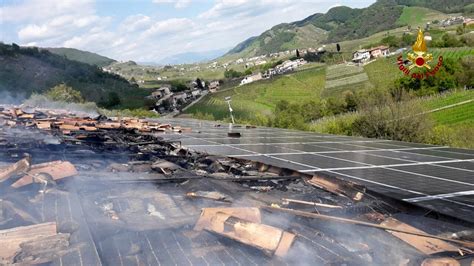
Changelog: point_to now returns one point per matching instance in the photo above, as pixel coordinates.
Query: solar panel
(433, 177)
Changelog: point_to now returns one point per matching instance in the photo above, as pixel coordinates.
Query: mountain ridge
(82, 56)
(337, 24)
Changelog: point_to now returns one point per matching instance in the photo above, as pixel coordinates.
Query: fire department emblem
(419, 59)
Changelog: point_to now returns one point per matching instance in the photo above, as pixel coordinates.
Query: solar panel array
(434, 177)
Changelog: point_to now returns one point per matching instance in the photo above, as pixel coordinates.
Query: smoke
(25, 137)
(9, 98)
(88, 109)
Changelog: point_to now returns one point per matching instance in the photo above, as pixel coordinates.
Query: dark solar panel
(318, 161)
(408, 156)
(365, 158)
(445, 154)
(306, 147)
(461, 165)
(425, 175)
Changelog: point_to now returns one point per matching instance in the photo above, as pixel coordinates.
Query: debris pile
(112, 191)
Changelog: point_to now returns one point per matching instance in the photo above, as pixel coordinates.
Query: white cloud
(147, 37)
(135, 23)
(37, 10)
(177, 3)
(174, 25)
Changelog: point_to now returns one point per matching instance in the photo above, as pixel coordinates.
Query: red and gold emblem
(420, 59)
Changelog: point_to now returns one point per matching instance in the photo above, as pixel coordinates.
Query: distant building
(380, 51)
(361, 56)
(452, 21)
(289, 65)
(214, 86)
(364, 55)
(251, 78)
(181, 96)
(269, 73)
(196, 92)
(468, 21)
(160, 93)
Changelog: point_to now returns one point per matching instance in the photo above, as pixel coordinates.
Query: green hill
(27, 70)
(344, 23)
(82, 56)
(260, 98)
(452, 109)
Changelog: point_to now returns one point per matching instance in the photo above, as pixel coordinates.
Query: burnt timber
(139, 188)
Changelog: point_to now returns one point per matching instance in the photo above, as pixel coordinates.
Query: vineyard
(342, 77)
(459, 114)
(262, 96)
(454, 53)
(451, 52)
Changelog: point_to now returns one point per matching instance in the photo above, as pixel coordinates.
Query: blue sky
(149, 30)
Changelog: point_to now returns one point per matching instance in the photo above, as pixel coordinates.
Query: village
(171, 101)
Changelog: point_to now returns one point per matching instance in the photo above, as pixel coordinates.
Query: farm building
(362, 56)
(251, 78)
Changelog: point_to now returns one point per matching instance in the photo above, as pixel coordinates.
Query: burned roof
(144, 192)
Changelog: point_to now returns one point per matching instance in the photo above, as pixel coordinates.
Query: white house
(361, 56)
(250, 79)
(379, 51)
(214, 86)
(160, 93)
(196, 93)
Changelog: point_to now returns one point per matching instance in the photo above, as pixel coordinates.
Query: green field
(461, 114)
(262, 96)
(454, 53)
(418, 16)
(343, 77)
(383, 72)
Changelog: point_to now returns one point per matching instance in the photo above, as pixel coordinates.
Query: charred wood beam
(366, 224)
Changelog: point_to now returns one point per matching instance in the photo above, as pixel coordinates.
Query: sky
(149, 30)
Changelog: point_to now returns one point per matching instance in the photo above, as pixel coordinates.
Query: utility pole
(228, 99)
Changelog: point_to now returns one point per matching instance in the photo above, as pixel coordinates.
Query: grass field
(461, 114)
(418, 16)
(343, 77)
(262, 96)
(454, 53)
(383, 72)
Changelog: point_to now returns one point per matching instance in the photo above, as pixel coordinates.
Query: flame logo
(420, 58)
(420, 45)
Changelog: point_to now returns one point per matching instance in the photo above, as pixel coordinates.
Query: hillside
(82, 56)
(260, 98)
(24, 71)
(344, 23)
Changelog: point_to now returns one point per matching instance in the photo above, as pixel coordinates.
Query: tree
(351, 101)
(230, 73)
(288, 115)
(391, 41)
(64, 93)
(382, 117)
(114, 99)
(15, 47)
(199, 84)
(335, 106)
